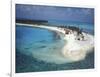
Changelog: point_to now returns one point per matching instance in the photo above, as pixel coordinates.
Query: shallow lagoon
(30, 40)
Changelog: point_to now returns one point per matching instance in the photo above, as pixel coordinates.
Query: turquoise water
(30, 40)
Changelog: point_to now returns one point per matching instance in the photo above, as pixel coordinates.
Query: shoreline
(72, 50)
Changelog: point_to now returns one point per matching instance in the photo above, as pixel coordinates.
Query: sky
(54, 13)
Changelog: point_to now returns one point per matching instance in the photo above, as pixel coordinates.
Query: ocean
(34, 43)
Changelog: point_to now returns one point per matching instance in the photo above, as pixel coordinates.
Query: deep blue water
(30, 39)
